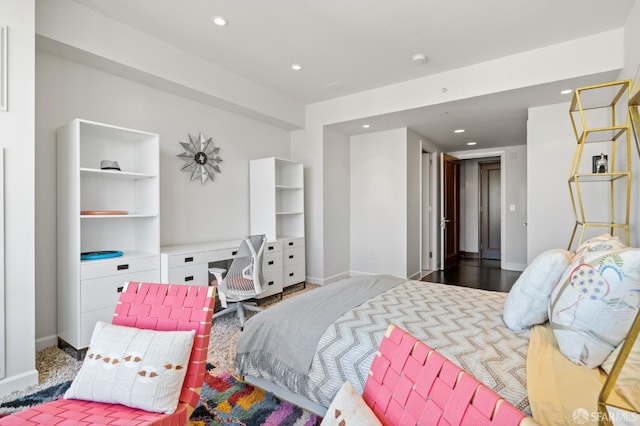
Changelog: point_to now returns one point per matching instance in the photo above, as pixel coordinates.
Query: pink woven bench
(411, 384)
(148, 306)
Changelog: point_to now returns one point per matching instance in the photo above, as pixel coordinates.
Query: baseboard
(416, 276)
(18, 382)
(514, 266)
(328, 280)
(470, 254)
(45, 342)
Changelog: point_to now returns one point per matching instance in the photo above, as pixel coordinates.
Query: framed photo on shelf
(599, 165)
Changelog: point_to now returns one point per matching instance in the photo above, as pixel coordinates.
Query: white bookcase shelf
(277, 210)
(88, 290)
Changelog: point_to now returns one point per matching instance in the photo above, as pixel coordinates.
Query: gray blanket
(287, 361)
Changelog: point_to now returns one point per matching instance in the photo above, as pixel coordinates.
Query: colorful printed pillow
(599, 243)
(349, 409)
(138, 368)
(527, 303)
(592, 307)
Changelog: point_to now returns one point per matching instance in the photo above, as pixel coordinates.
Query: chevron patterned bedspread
(463, 324)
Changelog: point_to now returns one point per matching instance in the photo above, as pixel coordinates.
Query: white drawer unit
(293, 261)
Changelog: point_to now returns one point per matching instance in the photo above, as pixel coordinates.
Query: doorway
(490, 210)
(450, 210)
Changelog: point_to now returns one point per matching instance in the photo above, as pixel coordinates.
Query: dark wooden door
(450, 210)
(490, 208)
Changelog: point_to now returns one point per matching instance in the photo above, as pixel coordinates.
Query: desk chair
(243, 280)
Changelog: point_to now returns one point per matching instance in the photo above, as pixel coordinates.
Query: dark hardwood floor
(476, 273)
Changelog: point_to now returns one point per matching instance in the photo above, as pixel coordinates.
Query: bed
(305, 348)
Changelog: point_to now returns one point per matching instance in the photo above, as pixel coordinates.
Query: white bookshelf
(277, 210)
(88, 290)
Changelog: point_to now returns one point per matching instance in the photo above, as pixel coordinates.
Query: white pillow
(527, 303)
(349, 409)
(138, 368)
(592, 307)
(601, 242)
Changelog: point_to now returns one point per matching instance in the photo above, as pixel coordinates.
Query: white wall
(469, 204)
(414, 201)
(18, 140)
(378, 202)
(337, 239)
(189, 211)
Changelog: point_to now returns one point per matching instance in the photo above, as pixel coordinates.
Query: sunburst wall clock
(201, 158)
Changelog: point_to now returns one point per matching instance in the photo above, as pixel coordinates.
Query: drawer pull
(233, 253)
(270, 283)
(189, 278)
(290, 243)
(270, 262)
(123, 267)
(270, 248)
(290, 256)
(188, 259)
(291, 274)
(119, 289)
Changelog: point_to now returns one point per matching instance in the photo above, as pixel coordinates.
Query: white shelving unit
(88, 290)
(277, 210)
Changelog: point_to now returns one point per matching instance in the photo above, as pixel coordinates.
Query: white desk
(189, 263)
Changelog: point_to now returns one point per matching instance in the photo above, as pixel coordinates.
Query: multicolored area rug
(224, 400)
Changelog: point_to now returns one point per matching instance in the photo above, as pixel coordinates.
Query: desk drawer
(103, 292)
(271, 262)
(184, 259)
(293, 256)
(190, 274)
(292, 242)
(222, 254)
(118, 266)
(293, 274)
(272, 278)
(272, 247)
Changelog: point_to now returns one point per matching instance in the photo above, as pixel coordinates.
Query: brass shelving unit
(600, 114)
(604, 404)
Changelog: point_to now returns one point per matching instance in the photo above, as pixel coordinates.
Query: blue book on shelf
(104, 254)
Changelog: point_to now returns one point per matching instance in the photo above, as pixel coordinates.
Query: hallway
(476, 273)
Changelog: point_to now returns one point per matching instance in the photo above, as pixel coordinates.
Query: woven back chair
(243, 279)
(409, 383)
(149, 306)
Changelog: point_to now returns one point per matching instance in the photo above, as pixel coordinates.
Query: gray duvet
(263, 352)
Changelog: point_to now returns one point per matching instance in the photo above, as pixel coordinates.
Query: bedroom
(106, 96)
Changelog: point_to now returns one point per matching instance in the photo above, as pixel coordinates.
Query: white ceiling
(347, 46)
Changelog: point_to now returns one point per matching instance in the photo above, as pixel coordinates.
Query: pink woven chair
(410, 384)
(149, 306)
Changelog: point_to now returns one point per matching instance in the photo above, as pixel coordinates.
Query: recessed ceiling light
(471, 143)
(458, 131)
(366, 126)
(566, 92)
(296, 67)
(220, 21)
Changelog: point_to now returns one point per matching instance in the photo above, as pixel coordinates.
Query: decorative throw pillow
(592, 307)
(349, 409)
(527, 303)
(628, 383)
(599, 243)
(138, 368)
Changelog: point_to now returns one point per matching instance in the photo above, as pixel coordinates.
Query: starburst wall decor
(201, 158)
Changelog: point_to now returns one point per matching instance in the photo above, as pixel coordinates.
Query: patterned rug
(224, 400)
